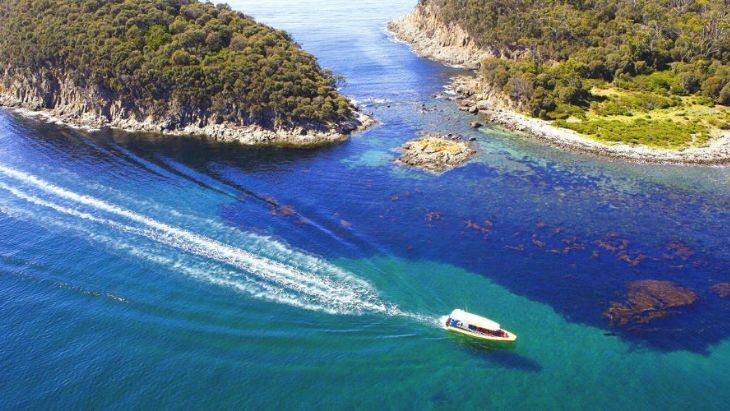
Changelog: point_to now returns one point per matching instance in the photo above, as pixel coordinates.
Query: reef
(721, 289)
(649, 300)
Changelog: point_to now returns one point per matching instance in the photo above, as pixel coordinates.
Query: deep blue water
(142, 271)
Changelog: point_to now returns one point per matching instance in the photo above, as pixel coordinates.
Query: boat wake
(260, 266)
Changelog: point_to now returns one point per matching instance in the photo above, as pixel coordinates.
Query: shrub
(570, 94)
(238, 42)
(519, 89)
(689, 82)
(156, 37)
(181, 58)
(178, 25)
(712, 86)
(724, 96)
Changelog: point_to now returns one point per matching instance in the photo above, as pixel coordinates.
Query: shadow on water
(504, 357)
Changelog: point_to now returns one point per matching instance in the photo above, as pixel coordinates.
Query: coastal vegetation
(197, 62)
(655, 73)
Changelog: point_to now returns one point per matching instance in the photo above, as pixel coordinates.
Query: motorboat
(475, 326)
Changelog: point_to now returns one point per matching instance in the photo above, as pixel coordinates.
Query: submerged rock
(433, 216)
(483, 228)
(679, 249)
(435, 154)
(284, 211)
(648, 300)
(721, 289)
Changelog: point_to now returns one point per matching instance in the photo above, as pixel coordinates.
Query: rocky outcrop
(56, 96)
(431, 38)
(648, 300)
(478, 97)
(435, 154)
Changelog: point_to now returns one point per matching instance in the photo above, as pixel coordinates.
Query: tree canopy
(197, 59)
(568, 41)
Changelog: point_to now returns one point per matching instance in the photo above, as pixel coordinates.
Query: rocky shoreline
(435, 154)
(477, 98)
(451, 44)
(89, 109)
(431, 39)
(299, 137)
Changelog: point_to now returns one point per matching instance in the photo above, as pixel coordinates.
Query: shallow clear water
(143, 272)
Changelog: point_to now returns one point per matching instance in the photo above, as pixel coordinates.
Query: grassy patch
(631, 103)
(647, 115)
(661, 133)
(658, 82)
(438, 145)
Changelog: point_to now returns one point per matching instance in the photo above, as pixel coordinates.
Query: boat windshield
(480, 330)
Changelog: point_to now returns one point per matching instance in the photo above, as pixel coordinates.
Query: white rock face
(431, 38)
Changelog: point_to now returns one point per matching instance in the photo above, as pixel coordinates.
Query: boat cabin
(474, 324)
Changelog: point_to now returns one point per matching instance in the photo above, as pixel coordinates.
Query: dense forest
(588, 60)
(198, 60)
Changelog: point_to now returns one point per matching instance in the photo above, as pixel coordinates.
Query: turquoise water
(163, 272)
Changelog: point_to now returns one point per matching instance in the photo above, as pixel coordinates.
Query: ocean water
(146, 272)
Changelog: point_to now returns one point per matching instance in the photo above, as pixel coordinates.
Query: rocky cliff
(430, 37)
(55, 95)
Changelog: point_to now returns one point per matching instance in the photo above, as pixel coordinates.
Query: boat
(480, 328)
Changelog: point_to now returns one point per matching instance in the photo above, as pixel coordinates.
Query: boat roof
(476, 320)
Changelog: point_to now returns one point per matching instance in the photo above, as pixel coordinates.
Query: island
(173, 67)
(435, 154)
(643, 81)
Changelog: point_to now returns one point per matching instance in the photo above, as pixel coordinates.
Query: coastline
(252, 135)
(450, 45)
(428, 38)
(471, 96)
(62, 101)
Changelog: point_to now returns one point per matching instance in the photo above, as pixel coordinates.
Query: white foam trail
(211, 273)
(307, 282)
(222, 277)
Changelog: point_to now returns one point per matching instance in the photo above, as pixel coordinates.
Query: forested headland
(179, 62)
(651, 72)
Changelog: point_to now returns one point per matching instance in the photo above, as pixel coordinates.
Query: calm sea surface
(165, 272)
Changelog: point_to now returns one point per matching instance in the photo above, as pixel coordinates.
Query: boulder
(721, 289)
(482, 105)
